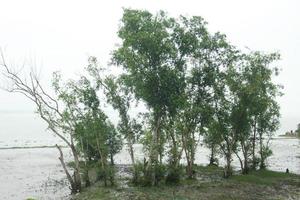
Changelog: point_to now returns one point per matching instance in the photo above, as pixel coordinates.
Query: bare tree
(59, 117)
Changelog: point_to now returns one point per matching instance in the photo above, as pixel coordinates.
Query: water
(24, 130)
(34, 173)
(29, 172)
(37, 173)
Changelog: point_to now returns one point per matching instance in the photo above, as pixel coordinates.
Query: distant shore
(30, 147)
(289, 136)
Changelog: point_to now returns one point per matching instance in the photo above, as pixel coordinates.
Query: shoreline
(35, 171)
(286, 137)
(32, 147)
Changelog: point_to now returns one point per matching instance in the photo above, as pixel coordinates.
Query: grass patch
(261, 185)
(96, 192)
(263, 177)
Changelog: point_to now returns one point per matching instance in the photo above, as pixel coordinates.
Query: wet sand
(32, 173)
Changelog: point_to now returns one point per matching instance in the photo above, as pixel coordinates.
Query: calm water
(36, 172)
(24, 129)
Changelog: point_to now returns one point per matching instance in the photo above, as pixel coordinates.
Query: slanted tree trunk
(77, 177)
(240, 160)
(73, 188)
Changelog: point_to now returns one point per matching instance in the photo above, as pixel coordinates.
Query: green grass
(96, 192)
(263, 177)
(261, 184)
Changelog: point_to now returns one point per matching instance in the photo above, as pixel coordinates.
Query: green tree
(94, 130)
(298, 130)
(262, 94)
(153, 70)
(120, 97)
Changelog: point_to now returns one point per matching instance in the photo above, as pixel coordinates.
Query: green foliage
(106, 173)
(174, 174)
(168, 174)
(160, 172)
(265, 153)
(298, 130)
(148, 54)
(199, 84)
(262, 177)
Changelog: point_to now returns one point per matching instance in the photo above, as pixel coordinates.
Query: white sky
(60, 35)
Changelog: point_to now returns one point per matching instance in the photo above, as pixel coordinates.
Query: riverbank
(37, 173)
(209, 184)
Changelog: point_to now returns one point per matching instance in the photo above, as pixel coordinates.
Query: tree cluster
(196, 86)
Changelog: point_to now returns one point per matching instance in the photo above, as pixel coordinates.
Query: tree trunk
(175, 153)
(153, 158)
(86, 177)
(74, 188)
(102, 162)
(228, 154)
(112, 159)
(262, 157)
(77, 177)
(245, 154)
(211, 157)
(188, 155)
(131, 153)
(227, 169)
(241, 161)
(253, 146)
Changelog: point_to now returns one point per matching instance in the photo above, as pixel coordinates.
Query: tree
(240, 119)
(217, 60)
(298, 130)
(56, 110)
(212, 140)
(153, 69)
(118, 95)
(93, 128)
(263, 109)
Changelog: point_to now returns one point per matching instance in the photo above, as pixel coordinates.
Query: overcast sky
(60, 35)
